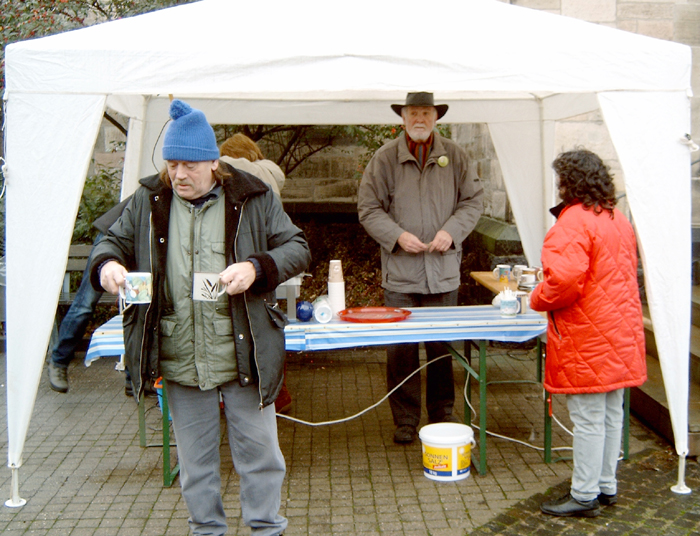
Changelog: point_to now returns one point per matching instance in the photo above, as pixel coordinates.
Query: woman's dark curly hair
(585, 179)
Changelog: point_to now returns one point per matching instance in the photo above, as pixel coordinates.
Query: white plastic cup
(335, 272)
(336, 296)
(323, 313)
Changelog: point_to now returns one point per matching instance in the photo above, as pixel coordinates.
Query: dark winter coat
(256, 227)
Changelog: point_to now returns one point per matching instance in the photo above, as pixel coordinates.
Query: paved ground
(84, 472)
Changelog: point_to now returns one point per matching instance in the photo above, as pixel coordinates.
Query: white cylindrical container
(447, 448)
(336, 295)
(336, 287)
(322, 309)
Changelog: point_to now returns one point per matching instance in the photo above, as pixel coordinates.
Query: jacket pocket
(168, 345)
(223, 327)
(277, 317)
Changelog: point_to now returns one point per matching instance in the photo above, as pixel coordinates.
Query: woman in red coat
(595, 336)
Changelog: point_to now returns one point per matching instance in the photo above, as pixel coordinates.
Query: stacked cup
(336, 288)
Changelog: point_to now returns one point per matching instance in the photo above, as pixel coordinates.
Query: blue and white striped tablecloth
(106, 341)
(480, 322)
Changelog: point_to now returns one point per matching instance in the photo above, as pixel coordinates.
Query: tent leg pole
(680, 487)
(15, 500)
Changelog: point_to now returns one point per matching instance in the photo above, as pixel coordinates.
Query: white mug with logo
(138, 288)
(206, 286)
(502, 273)
(510, 306)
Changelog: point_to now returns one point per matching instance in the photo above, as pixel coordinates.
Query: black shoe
(128, 389)
(567, 506)
(58, 378)
(405, 434)
(607, 500)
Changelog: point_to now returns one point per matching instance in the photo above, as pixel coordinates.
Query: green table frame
(465, 362)
(169, 473)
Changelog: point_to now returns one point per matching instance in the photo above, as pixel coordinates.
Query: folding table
(476, 324)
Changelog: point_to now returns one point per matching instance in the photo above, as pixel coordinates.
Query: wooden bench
(77, 262)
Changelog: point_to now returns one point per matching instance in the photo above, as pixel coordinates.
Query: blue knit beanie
(189, 138)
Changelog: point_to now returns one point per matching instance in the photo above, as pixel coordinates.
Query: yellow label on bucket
(437, 461)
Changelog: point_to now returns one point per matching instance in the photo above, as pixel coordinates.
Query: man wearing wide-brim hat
(419, 199)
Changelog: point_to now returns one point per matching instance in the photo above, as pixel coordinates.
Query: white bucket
(447, 448)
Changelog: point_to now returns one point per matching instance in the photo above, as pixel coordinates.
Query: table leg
(142, 423)
(168, 474)
(465, 362)
(626, 426)
(482, 407)
(547, 427)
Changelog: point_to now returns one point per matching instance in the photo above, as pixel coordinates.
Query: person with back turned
(595, 334)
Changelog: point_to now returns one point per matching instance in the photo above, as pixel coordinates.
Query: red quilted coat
(595, 336)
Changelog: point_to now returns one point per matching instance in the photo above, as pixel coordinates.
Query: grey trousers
(255, 450)
(597, 419)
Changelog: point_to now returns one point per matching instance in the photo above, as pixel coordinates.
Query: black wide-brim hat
(421, 98)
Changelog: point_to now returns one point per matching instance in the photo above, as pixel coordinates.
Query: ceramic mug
(206, 286)
(502, 273)
(509, 307)
(531, 275)
(138, 288)
(523, 301)
(518, 271)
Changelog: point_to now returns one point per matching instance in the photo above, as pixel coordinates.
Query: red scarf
(420, 150)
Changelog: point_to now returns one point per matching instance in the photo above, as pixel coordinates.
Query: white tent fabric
(308, 62)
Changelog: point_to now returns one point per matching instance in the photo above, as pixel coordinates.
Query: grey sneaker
(58, 378)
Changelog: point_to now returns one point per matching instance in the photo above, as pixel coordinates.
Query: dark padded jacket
(256, 227)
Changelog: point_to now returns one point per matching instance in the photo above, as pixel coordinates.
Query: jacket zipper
(554, 324)
(148, 311)
(247, 314)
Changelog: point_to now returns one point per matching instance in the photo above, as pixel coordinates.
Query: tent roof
(302, 51)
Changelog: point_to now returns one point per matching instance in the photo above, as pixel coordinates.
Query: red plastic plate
(370, 315)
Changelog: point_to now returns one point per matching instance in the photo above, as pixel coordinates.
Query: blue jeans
(402, 359)
(257, 458)
(74, 324)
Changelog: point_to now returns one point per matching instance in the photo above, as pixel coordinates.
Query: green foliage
(101, 192)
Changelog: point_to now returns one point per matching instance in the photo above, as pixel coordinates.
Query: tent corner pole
(680, 487)
(15, 501)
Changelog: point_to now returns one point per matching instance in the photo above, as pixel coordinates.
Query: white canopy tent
(306, 62)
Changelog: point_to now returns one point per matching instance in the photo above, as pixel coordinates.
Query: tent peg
(15, 501)
(680, 487)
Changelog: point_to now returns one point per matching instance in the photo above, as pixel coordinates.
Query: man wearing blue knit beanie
(199, 221)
